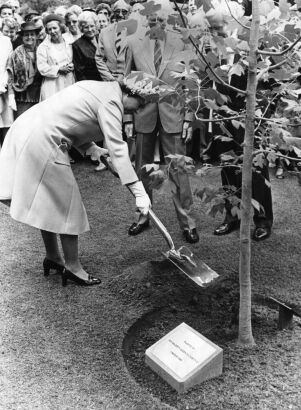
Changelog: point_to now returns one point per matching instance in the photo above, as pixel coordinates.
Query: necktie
(157, 55)
(118, 41)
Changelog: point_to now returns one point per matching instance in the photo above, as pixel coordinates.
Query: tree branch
(237, 21)
(220, 119)
(280, 53)
(278, 154)
(277, 122)
(204, 58)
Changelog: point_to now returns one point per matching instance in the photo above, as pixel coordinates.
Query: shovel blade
(198, 272)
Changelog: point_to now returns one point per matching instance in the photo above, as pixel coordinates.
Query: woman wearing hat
(35, 172)
(24, 78)
(54, 58)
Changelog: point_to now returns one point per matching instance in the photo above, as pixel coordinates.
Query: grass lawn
(61, 348)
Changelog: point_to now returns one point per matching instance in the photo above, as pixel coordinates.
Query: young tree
(264, 47)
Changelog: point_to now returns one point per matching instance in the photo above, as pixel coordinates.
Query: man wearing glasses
(71, 20)
(109, 43)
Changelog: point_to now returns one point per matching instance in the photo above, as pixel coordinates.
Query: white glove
(143, 202)
(96, 152)
(12, 102)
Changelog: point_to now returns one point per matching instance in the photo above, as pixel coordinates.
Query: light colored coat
(49, 61)
(35, 172)
(139, 56)
(106, 53)
(6, 113)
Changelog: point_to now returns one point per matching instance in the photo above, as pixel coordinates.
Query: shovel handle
(159, 225)
(161, 228)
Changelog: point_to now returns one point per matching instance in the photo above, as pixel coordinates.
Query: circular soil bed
(249, 375)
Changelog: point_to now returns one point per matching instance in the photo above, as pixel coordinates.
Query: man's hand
(129, 129)
(143, 202)
(96, 152)
(187, 131)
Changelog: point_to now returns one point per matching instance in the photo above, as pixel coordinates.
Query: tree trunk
(245, 336)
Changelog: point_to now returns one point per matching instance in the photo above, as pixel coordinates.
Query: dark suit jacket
(84, 60)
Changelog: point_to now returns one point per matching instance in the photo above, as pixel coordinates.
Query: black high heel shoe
(48, 264)
(67, 274)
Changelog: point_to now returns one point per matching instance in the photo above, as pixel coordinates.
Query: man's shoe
(226, 227)
(191, 235)
(261, 233)
(137, 228)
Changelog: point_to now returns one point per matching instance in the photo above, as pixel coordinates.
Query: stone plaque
(184, 358)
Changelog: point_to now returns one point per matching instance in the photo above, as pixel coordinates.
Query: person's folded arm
(101, 65)
(46, 69)
(79, 63)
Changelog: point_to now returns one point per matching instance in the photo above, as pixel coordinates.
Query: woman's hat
(29, 26)
(53, 17)
(89, 9)
(143, 85)
(30, 13)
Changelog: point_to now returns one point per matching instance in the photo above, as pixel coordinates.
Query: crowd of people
(41, 55)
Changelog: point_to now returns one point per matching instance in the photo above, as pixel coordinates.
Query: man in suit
(109, 43)
(166, 120)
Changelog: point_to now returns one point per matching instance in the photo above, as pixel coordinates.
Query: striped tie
(157, 55)
(118, 41)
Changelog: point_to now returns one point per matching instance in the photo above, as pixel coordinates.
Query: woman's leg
(70, 249)
(51, 246)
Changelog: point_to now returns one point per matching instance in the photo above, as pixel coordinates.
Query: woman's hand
(143, 202)
(95, 152)
(64, 69)
(12, 102)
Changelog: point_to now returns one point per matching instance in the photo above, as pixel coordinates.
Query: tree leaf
(284, 7)
(259, 160)
(236, 69)
(235, 211)
(237, 124)
(156, 33)
(243, 46)
(211, 104)
(256, 204)
(149, 8)
(215, 209)
(130, 25)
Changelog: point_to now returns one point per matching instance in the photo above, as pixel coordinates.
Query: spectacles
(121, 11)
(29, 34)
